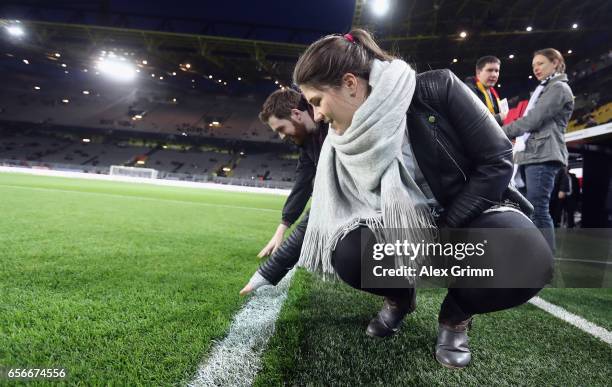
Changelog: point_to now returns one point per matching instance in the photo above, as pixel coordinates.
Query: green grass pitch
(320, 340)
(120, 283)
(127, 284)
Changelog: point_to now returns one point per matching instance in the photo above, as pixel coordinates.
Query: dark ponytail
(325, 61)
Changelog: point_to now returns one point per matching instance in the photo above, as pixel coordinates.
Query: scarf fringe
(405, 223)
(410, 224)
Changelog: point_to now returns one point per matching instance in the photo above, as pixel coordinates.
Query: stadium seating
(117, 107)
(40, 148)
(271, 166)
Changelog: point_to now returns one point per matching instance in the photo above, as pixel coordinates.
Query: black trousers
(531, 252)
(569, 208)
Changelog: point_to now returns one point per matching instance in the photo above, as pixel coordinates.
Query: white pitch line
(138, 180)
(584, 260)
(139, 198)
(575, 320)
(235, 360)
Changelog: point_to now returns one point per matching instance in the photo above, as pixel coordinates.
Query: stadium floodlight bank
(146, 173)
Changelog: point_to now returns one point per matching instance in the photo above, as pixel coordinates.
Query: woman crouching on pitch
(401, 149)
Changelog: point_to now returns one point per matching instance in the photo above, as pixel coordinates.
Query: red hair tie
(349, 37)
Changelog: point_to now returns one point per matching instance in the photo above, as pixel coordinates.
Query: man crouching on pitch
(288, 113)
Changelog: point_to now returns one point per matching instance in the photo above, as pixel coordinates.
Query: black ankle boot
(452, 349)
(390, 317)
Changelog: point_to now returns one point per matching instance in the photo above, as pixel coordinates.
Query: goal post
(120, 170)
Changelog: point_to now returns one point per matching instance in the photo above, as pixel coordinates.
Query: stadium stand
(144, 109)
(592, 83)
(269, 166)
(67, 151)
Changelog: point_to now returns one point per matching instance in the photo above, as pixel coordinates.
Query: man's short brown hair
(280, 103)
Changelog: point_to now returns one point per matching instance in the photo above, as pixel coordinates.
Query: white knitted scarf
(361, 178)
(520, 143)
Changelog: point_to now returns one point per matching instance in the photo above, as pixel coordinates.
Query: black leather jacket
(462, 152)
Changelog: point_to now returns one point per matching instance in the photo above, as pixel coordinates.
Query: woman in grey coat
(540, 142)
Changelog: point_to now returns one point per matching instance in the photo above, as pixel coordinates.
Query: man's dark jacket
(471, 83)
(462, 152)
(304, 176)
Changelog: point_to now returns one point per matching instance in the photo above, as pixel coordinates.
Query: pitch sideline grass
(595, 305)
(129, 284)
(320, 340)
(122, 284)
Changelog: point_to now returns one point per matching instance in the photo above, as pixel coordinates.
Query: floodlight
(380, 7)
(16, 31)
(120, 71)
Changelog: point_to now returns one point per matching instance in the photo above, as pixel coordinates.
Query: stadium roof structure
(256, 41)
(601, 134)
(262, 40)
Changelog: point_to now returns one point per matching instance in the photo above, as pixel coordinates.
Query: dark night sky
(318, 15)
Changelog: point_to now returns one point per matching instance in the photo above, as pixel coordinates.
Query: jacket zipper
(451, 157)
